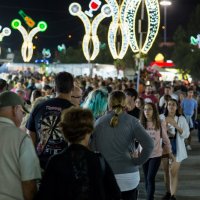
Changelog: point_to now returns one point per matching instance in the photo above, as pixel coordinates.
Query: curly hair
(76, 123)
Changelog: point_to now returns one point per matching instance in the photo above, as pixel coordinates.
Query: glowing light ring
(90, 29)
(16, 23)
(131, 20)
(42, 26)
(5, 32)
(27, 45)
(153, 24)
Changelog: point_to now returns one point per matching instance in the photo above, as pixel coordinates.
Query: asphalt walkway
(189, 177)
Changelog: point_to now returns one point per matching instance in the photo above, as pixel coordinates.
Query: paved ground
(189, 177)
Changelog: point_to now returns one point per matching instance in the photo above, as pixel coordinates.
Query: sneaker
(189, 148)
(172, 197)
(167, 196)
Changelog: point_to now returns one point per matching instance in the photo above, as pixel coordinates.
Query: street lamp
(165, 4)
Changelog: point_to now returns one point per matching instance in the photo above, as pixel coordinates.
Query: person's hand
(171, 121)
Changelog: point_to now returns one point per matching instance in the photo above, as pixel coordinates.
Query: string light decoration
(27, 45)
(124, 17)
(123, 21)
(118, 24)
(5, 32)
(195, 41)
(153, 24)
(91, 28)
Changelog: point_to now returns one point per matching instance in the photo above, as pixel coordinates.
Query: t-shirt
(18, 160)
(135, 112)
(44, 121)
(188, 106)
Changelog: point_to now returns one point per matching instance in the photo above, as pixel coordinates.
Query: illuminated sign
(27, 45)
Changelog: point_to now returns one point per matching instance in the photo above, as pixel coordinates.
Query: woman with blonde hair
(114, 133)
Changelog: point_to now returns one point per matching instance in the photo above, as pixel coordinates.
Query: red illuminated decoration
(163, 64)
(159, 61)
(94, 5)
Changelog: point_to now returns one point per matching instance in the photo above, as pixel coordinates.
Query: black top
(78, 174)
(135, 112)
(44, 121)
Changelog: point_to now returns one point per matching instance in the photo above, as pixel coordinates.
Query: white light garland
(153, 24)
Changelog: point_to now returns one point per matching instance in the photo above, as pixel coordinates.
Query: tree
(185, 55)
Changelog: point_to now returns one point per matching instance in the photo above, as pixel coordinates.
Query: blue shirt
(188, 106)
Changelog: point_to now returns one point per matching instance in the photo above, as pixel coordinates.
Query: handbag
(173, 141)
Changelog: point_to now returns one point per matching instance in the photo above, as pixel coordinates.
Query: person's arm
(29, 189)
(33, 136)
(29, 168)
(145, 141)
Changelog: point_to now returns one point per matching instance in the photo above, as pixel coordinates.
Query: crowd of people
(85, 138)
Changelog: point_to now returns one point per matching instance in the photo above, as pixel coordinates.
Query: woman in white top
(177, 129)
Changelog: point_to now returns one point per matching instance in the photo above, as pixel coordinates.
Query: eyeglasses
(148, 109)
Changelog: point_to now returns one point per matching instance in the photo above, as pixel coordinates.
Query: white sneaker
(189, 148)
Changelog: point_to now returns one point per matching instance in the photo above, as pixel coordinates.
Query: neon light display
(195, 41)
(27, 45)
(91, 28)
(5, 32)
(94, 5)
(28, 20)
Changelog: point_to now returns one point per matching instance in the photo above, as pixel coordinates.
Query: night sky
(61, 24)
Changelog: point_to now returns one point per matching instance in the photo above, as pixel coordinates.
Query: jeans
(130, 195)
(150, 169)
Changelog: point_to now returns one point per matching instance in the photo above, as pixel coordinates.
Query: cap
(9, 98)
